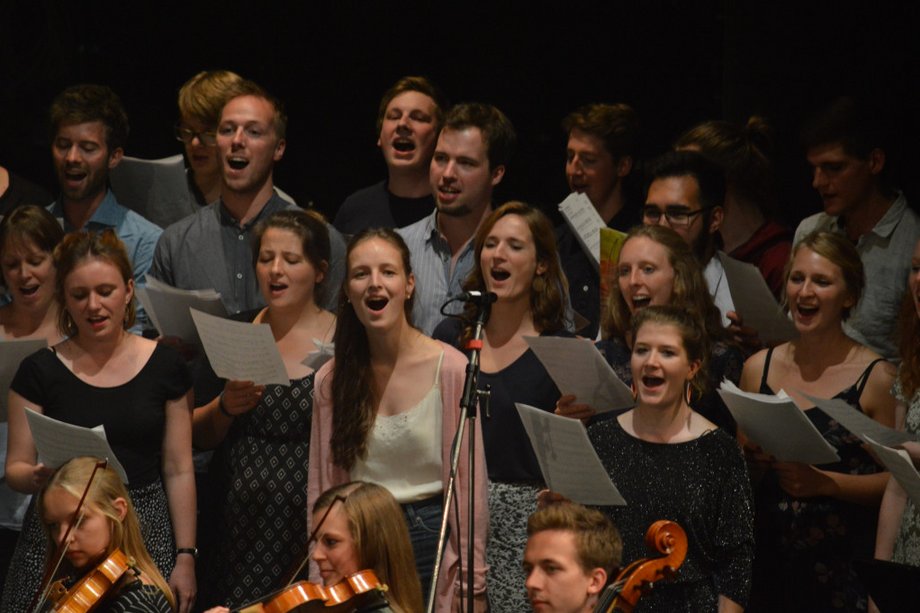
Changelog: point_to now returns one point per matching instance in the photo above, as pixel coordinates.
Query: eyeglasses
(677, 216)
(186, 136)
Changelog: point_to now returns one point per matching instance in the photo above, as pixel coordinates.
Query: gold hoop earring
(634, 390)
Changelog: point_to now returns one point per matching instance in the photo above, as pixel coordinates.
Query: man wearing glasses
(211, 248)
(600, 154)
(90, 128)
(686, 193)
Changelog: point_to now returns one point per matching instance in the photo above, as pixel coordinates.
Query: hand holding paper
(569, 463)
(241, 351)
(778, 426)
(579, 369)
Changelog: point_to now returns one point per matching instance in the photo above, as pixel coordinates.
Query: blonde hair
(839, 251)
(381, 538)
(203, 96)
(72, 477)
(597, 541)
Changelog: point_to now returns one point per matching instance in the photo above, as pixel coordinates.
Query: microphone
(476, 297)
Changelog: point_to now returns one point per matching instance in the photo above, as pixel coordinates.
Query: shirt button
(239, 275)
(241, 237)
(584, 288)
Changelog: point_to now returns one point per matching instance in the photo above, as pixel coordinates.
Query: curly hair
(86, 103)
(548, 298)
(352, 388)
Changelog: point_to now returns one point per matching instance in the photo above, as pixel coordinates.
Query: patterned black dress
(807, 545)
(261, 483)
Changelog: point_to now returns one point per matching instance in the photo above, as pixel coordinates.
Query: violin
(663, 536)
(306, 597)
(92, 588)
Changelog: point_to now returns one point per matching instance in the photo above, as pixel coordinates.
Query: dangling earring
(634, 390)
(688, 392)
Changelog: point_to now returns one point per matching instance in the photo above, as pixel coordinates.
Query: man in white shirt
(846, 147)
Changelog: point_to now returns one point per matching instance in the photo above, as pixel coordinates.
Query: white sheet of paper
(898, 463)
(241, 351)
(324, 352)
(585, 222)
(776, 424)
(12, 353)
(577, 367)
(858, 422)
(168, 308)
(56, 442)
(755, 303)
(569, 464)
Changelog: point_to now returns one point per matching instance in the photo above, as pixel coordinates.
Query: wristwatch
(192, 551)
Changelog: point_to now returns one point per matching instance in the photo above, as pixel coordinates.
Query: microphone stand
(468, 404)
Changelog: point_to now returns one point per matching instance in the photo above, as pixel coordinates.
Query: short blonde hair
(203, 96)
(597, 541)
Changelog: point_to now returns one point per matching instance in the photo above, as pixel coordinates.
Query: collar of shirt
(109, 214)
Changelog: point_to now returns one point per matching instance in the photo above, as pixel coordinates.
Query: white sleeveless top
(404, 450)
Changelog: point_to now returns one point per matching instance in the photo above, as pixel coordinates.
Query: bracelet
(223, 410)
(192, 551)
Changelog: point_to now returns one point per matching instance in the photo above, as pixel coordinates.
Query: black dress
(260, 491)
(807, 545)
(700, 484)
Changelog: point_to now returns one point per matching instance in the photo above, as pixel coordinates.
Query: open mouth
(806, 311)
(377, 303)
(29, 291)
(74, 175)
(403, 145)
(499, 275)
(238, 163)
(640, 302)
(650, 381)
(277, 287)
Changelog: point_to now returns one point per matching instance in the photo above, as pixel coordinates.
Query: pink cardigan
(324, 473)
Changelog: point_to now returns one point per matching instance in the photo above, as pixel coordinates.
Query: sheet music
(585, 223)
(858, 422)
(754, 301)
(168, 308)
(569, 464)
(577, 367)
(779, 426)
(12, 353)
(899, 464)
(57, 442)
(324, 352)
(241, 351)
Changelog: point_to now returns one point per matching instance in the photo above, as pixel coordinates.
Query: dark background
(677, 63)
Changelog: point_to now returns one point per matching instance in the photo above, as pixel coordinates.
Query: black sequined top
(702, 485)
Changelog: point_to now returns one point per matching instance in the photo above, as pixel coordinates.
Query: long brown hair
(689, 291)
(353, 394)
(381, 537)
(909, 332)
(72, 477)
(547, 297)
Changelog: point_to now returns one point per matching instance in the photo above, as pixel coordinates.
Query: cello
(638, 578)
